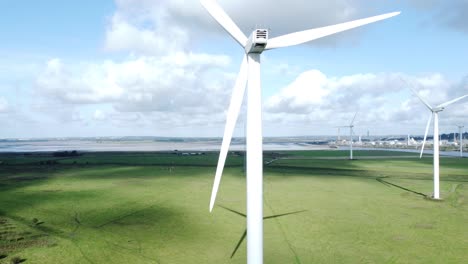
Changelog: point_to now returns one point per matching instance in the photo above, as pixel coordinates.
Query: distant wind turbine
(249, 75)
(434, 113)
(338, 135)
(351, 132)
(460, 135)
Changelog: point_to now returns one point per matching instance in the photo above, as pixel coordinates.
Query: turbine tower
(460, 134)
(434, 114)
(249, 75)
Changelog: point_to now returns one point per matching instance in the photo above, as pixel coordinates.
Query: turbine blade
(452, 101)
(416, 93)
(231, 119)
(352, 122)
(311, 34)
(224, 20)
(425, 135)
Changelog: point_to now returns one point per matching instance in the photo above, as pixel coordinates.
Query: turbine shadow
(388, 184)
(245, 231)
(239, 243)
(233, 211)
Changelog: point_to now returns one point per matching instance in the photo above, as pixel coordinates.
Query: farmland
(152, 207)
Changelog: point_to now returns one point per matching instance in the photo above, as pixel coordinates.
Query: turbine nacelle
(438, 109)
(257, 41)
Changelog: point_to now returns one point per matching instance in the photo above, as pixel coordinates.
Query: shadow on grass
(245, 231)
(16, 201)
(44, 160)
(17, 260)
(287, 170)
(389, 184)
(119, 218)
(24, 169)
(351, 171)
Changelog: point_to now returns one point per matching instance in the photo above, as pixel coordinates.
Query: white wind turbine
(351, 132)
(435, 113)
(460, 135)
(249, 75)
(339, 136)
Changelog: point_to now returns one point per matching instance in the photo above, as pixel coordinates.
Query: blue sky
(54, 28)
(165, 68)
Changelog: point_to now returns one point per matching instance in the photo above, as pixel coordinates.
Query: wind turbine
(460, 134)
(338, 137)
(434, 113)
(249, 75)
(351, 132)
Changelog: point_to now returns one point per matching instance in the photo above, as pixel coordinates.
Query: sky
(166, 68)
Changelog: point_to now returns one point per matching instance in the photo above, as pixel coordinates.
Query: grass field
(153, 208)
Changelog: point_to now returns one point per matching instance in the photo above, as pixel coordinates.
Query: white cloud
(184, 84)
(4, 105)
(136, 79)
(306, 91)
(381, 100)
(99, 115)
(159, 27)
(300, 15)
(192, 90)
(160, 38)
(161, 84)
(95, 84)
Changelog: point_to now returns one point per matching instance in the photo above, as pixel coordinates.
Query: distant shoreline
(143, 146)
(184, 145)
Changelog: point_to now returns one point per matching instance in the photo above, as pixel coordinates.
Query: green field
(153, 208)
